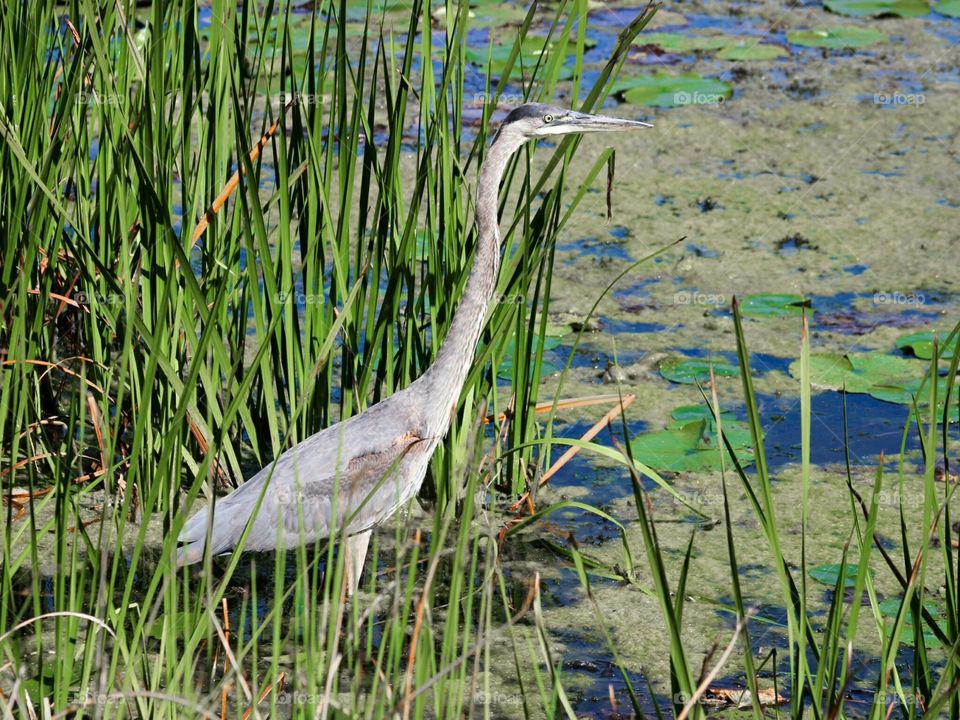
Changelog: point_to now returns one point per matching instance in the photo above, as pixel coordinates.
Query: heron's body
(353, 475)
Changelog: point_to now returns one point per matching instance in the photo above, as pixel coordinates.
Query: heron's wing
(353, 459)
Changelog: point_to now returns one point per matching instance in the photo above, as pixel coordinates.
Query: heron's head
(534, 120)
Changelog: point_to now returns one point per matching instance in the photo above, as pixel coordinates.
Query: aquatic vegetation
(533, 50)
(774, 305)
(878, 8)
(837, 38)
(665, 90)
(830, 574)
(885, 377)
(681, 42)
(751, 50)
(692, 371)
(921, 345)
(691, 443)
(950, 8)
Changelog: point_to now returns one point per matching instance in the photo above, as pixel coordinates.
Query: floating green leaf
(829, 574)
(773, 305)
(877, 8)
(677, 42)
(692, 446)
(921, 345)
(838, 37)
(686, 413)
(950, 8)
(665, 90)
(858, 372)
(533, 50)
(890, 608)
(905, 393)
(885, 377)
(751, 50)
(505, 371)
(691, 371)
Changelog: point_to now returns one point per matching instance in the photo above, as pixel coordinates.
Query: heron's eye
(548, 119)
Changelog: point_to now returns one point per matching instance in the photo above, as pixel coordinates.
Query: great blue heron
(362, 469)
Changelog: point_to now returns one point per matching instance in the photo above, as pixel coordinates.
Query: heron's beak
(603, 123)
(576, 122)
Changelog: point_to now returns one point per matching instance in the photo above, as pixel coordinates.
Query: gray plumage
(374, 462)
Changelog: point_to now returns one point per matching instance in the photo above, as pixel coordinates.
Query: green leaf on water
(665, 90)
(890, 607)
(829, 574)
(858, 372)
(950, 8)
(505, 371)
(905, 393)
(838, 37)
(877, 8)
(751, 50)
(678, 42)
(532, 49)
(691, 371)
(773, 305)
(692, 446)
(921, 345)
(686, 413)
(885, 377)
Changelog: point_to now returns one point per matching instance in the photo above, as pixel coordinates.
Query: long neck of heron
(444, 379)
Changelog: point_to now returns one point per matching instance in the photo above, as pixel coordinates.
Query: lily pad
(751, 50)
(921, 345)
(829, 574)
(878, 8)
(950, 8)
(858, 372)
(692, 446)
(533, 50)
(884, 377)
(680, 43)
(773, 305)
(905, 393)
(505, 371)
(890, 607)
(665, 90)
(691, 371)
(838, 37)
(686, 413)
(497, 15)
